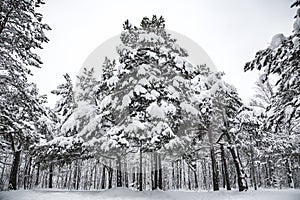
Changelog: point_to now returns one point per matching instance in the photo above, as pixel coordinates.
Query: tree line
(152, 121)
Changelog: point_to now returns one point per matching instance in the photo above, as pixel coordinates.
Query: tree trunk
(180, 173)
(214, 169)
(78, 175)
(51, 176)
(103, 185)
(225, 168)
(13, 179)
(126, 173)
(242, 183)
(66, 180)
(154, 186)
(289, 174)
(253, 167)
(141, 172)
(133, 177)
(173, 176)
(95, 174)
(204, 174)
(26, 180)
(110, 175)
(119, 172)
(159, 173)
(196, 178)
(75, 174)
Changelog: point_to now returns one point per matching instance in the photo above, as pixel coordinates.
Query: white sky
(230, 31)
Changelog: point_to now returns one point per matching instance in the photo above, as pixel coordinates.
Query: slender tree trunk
(259, 168)
(154, 187)
(3, 168)
(126, 173)
(253, 167)
(189, 178)
(214, 169)
(27, 170)
(289, 174)
(225, 168)
(66, 180)
(173, 176)
(103, 185)
(239, 171)
(75, 174)
(180, 173)
(78, 175)
(133, 176)
(159, 173)
(204, 170)
(51, 176)
(196, 178)
(95, 174)
(110, 175)
(152, 170)
(119, 172)
(141, 171)
(13, 179)
(183, 174)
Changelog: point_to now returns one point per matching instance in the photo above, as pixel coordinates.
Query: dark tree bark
(253, 167)
(66, 179)
(180, 173)
(133, 176)
(75, 174)
(196, 178)
(95, 174)
(119, 172)
(26, 181)
(141, 172)
(241, 176)
(103, 185)
(289, 173)
(126, 173)
(13, 179)
(214, 169)
(225, 168)
(78, 175)
(242, 183)
(173, 176)
(155, 178)
(51, 176)
(159, 173)
(204, 171)
(110, 175)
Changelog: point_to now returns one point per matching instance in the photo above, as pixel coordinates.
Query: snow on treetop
(277, 40)
(150, 38)
(296, 25)
(156, 111)
(189, 108)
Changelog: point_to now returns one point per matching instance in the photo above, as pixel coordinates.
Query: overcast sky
(230, 31)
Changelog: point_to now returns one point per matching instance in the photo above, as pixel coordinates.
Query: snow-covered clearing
(127, 194)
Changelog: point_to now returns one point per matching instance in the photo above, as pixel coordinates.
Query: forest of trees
(153, 120)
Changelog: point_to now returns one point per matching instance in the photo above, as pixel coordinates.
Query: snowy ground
(126, 194)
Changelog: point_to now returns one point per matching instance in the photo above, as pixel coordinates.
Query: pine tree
(281, 60)
(149, 99)
(21, 31)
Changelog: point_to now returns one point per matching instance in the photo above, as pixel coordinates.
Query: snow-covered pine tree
(63, 146)
(21, 31)
(219, 105)
(281, 59)
(65, 106)
(150, 98)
